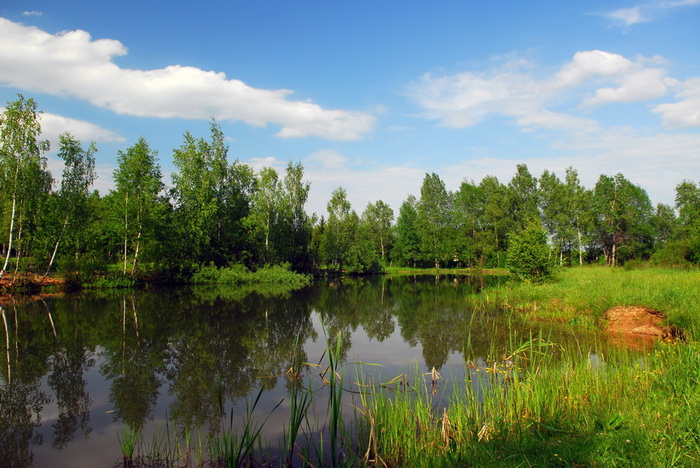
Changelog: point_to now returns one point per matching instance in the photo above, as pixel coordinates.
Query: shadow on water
(78, 369)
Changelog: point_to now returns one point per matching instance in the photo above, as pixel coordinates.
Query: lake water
(76, 368)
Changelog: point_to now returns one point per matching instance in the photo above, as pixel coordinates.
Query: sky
(371, 95)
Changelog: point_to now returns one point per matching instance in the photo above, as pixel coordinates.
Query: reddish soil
(9, 280)
(636, 325)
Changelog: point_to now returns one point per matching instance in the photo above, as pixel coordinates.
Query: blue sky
(371, 95)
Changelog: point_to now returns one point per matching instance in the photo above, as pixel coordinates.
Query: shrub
(528, 255)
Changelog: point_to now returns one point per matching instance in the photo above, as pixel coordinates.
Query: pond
(77, 368)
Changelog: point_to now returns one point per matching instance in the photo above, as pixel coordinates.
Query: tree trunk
(126, 227)
(138, 242)
(7, 345)
(19, 243)
(55, 249)
(9, 242)
(580, 244)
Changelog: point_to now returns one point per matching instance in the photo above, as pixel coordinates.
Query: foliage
(223, 212)
(529, 255)
(239, 274)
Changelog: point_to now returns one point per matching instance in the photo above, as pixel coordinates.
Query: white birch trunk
(55, 249)
(9, 242)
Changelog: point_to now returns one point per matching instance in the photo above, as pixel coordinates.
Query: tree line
(217, 212)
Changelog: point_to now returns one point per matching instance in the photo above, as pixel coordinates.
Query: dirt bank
(637, 324)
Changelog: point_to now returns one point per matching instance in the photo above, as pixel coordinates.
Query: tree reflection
(21, 402)
(133, 358)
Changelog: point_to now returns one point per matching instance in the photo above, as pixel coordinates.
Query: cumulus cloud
(53, 125)
(71, 63)
(590, 78)
(686, 112)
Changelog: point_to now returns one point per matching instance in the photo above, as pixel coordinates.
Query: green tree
(433, 224)
(469, 218)
(78, 177)
(688, 205)
(579, 203)
(623, 213)
(298, 230)
(406, 248)
(340, 230)
(496, 220)
(528, 254)
(138, 185)
(211, 198)
(522, 196)
(22, 170)
(265, 217)
(377, 220)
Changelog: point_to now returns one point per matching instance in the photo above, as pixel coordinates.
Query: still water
(76, 368)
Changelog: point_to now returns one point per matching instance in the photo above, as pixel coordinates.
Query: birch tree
(377, 219)
(78, 176)
(21, 162)
(138, 184)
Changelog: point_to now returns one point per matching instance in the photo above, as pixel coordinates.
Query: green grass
(618, 410)
(407, 271)
(580, 296)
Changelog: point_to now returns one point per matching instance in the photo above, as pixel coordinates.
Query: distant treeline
(222, 213)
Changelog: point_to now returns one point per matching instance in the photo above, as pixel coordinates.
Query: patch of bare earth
(636, 325)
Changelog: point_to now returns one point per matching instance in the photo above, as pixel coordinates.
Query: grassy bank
(621, 410)
(407, 271)
(580, 296)
(239, 274)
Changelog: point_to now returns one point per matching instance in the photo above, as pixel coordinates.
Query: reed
(128, 439)
(535, 407)
(300, 400)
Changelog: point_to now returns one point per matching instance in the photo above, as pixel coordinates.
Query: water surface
(77, 368)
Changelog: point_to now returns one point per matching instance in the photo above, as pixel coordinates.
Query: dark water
(76, 368)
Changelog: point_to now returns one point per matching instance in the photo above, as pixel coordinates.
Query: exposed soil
(28, 284)
(636, 325)
(9, 279)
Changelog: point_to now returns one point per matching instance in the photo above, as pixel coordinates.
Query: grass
(623, 409)
(580, 296)
(408, 271)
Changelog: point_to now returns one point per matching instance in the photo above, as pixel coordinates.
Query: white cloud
(643, 13)
(53, 125)
(32, 13)
(590, 64)
(641, 85)
(627, 16)
(686, 112)
(73, 64)
(590, 78)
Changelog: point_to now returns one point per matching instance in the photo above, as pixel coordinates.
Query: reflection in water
(131, 358)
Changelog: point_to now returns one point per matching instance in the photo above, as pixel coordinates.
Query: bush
(528, 255)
